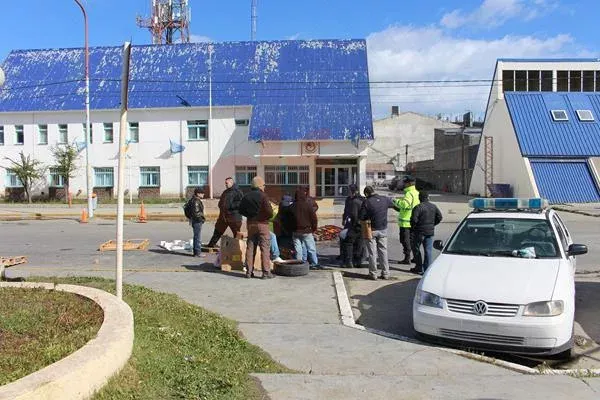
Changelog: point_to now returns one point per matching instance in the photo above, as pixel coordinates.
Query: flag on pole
(356, 140)
(80, 146)
(176, 147)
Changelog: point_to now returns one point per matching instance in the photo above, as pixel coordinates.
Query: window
(547, 79)
(521, 81)
(198, 130)
(559, 115)
(108, 132)
(104, 177)
(562, 81)
(12, 180)
(150, 176)
(134, 132)
(286, 175)
(19, 136)
(508, 80)
(56, 179)
(1, 135)
(585, 115)
(588, 81)
(42, 134)
(63, 134)
(533, 81)
(381, 175)
(197, 176)
(244, 175)
(575, 81)
(91, 132)
(242, 122)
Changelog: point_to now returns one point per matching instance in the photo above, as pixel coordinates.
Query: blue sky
(426, 39)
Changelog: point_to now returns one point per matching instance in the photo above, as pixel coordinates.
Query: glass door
(329, 181)
(335, 181)
(343, 181)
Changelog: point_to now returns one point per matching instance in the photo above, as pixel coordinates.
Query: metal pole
(210, 166)
(88, 169)
(130, 188)
(121, 181)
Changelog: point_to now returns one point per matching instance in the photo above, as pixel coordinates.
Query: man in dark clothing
(255, 206)
(375, 209)
(305, 220)
(197, 220)
(352, 245)
(229, 213)
(423, 220)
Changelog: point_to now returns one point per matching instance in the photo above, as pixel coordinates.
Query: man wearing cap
(352, 245)
(423, 220)
(375, 209)
(406, 205)
(255, 206)
(197, 220)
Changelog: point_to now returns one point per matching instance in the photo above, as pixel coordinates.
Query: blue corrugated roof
(540, 136)
(298, 89)
(550, 178)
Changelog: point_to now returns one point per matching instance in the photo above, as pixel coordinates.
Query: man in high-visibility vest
(406, 205)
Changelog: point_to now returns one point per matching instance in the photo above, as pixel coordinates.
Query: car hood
(492, 279)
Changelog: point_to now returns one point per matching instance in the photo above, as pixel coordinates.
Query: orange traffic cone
(84, 217)
(142, 217)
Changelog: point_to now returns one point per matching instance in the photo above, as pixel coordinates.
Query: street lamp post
(88, 172)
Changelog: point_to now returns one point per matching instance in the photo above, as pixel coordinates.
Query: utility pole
(406, 158)
(462, 161)
(210, 138)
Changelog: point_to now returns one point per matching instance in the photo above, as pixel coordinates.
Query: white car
(505, 281)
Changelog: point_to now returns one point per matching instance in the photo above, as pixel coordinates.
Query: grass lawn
(181, 351)
(39, 327)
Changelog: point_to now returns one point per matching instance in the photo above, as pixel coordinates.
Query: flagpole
(210, 167)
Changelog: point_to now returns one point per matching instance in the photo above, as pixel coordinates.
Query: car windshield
(504, 237)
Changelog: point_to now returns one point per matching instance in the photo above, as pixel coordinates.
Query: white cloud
(494, 13)
(407, 53)
(199, 39)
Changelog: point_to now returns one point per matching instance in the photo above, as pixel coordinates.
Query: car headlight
(544, 309)
(429, 299)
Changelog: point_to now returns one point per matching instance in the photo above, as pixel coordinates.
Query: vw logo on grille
(480, 308)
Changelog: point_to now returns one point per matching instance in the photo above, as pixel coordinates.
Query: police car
(505, 281)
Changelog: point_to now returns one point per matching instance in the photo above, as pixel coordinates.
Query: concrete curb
(348, 320)
(85, 371)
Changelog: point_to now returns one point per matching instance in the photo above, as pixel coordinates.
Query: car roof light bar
(509, 204)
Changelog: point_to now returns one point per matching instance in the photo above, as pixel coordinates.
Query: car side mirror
(439, 245)
(577, 249)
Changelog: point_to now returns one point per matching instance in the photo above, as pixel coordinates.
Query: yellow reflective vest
(406, 205)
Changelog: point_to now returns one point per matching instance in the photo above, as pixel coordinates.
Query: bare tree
(28, 171)
(65, 158)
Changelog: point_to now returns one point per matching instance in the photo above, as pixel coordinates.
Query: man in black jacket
(197, 220)
(352, 245)
(229, 212)
(423, 220)
(375, 209)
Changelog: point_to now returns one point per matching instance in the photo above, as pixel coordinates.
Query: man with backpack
(255, 206)
(194, 211)
(229, 213)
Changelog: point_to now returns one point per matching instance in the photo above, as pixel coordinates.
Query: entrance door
(334, 181)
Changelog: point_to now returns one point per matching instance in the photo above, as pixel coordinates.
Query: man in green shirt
(406, 205)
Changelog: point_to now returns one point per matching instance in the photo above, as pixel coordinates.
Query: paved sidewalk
(296, 320)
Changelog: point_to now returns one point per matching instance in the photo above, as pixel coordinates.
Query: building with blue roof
(541, 136)
(295, 112)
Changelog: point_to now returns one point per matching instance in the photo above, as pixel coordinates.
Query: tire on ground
(291, 268)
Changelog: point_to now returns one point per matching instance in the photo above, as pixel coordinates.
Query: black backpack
(188, 209)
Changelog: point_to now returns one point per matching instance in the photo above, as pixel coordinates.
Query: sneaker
(373, 277)
(248, 276)
(416, 270)
(278, 260)
(268, 276)
(406, 261)
(385, 277)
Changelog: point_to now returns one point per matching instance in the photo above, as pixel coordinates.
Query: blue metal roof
(540, 136)
(298, 89)
(550, 178)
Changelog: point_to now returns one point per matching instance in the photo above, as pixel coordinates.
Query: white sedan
(505, 281)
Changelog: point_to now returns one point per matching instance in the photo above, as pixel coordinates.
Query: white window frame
(63, 134)
(379, 175)
(1, 135)
(195, 129)
(244, 174)
(108, 129)
(104, 177)
(585, 115)
(557, 118)
(55, 179)
(12, 180)
(197, 174)
(42, 134)
(133, 129)
(19, 129)
(149, 176)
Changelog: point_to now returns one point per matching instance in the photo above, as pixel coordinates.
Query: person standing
(352, 245)
(406, 205)
(255, 206)
(305, 224)
(195, 212)
(375, 209)
(229, 213)
(423, 220)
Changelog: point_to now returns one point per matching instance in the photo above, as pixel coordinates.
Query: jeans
(197, 227)
(378, 254)
(274, 247)
(308, 240)
(427, 243)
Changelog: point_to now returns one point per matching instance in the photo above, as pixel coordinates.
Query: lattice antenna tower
(169, 23)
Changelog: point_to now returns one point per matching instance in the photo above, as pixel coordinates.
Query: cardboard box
(233, 254)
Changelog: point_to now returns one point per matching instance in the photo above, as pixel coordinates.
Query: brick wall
(56, 193)
(148, 193)
(14, 194)
(104, 193)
